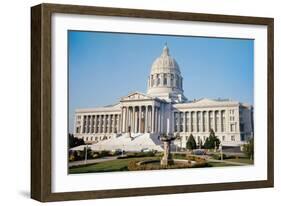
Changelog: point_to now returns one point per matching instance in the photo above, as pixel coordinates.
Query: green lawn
(108, 166)
(121, 164)
(242, 160)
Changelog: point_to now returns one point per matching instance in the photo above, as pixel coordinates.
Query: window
(175, 122)
(242, 127)
(165, 79)
(232, 127)
(152, 81)
(172, 80)
(223, 138)
(187, 121)
(158, 79)
(177, 81)
(232, 138)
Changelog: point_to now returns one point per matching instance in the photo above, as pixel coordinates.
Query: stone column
(219, 121)
(202, 120)
(118, 122)
(152, 119)
(208, 122)
(81, 124)
(136, 121)
(94, 123)
(196, 122)
(128, 118)
(100, 124)
(103, 123)
(184, 121)
(122, 120)
(91, 124)
(145, 119)
(139, 130)
(156, 120)
(86, 123)
(191, 121)
(133, 120)
(112, 123)
(214, 120)
(178, 122)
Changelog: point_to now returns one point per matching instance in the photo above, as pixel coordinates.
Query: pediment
(136, 96)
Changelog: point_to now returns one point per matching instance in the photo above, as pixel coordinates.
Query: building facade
(165, 109)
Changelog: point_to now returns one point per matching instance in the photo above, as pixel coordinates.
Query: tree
(191, 144)
(74, 141)
(248, 149)
(212, 142)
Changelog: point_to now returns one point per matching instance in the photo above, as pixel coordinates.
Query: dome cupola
(165, 80)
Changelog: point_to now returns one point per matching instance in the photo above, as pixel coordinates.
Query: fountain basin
(175, 162)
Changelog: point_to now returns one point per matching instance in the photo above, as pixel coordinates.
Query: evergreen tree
(212, 141)
(74, 142)
(191, 144)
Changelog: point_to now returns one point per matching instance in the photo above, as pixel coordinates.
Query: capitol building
(137, 120)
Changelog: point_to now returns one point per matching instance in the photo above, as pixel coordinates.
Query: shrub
(132, 166)
(191, 144)
(104, 153)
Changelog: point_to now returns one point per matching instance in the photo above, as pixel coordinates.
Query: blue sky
(106, 66)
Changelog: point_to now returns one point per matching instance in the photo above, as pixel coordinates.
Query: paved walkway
(209, 159)
(227, 162)
(91, 161)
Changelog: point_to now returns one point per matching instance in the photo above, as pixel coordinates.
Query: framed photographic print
(130, 102)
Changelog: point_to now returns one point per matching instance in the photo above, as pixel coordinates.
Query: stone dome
(165, 80)
(165, 63)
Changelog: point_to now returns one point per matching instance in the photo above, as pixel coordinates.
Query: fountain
(167, 157)
(167, 160)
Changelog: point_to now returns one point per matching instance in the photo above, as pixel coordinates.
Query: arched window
(177, 81)
(172, 80)
(152, 81)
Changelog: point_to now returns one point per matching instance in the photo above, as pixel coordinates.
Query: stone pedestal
(167, 158)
